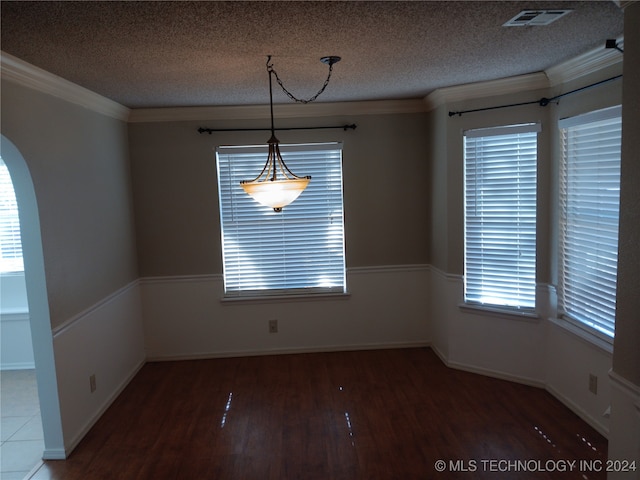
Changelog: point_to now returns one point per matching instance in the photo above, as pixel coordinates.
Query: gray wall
(386, 189)
(78, 161)
(447, 182)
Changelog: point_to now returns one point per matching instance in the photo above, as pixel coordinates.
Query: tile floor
(21, 428)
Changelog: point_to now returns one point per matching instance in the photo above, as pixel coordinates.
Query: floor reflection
(227, 407)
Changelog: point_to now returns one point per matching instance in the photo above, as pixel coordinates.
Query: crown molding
(585, 64)
(18, 71)
(573, 69)
(470, 91)
(624, 3)
(30, 76)
(294, 110)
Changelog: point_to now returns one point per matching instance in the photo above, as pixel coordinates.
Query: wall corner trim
(18, 71)
(389, 268)
(622, 384)
(69, 323)
(171, 279)
(449, 277)
(585, 64)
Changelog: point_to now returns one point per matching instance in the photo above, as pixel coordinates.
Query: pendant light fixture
(276, 186)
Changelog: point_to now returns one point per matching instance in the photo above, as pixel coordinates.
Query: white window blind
(500, 216)
(10, 242)
(298, 250)
(589, 214)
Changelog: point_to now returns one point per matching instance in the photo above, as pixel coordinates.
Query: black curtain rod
(211, 130)
(543, 102)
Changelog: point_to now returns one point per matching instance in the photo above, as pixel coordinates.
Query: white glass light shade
(276, 193)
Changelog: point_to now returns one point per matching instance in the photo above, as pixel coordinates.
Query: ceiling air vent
(531, 18)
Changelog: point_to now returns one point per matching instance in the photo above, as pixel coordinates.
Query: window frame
(590, 327)
(235, 163)
(525, 309)
(10, 234)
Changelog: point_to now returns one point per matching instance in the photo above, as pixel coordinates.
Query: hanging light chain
(329, 60)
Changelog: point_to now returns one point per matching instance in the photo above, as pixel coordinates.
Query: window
(500, 216)
(299, 250)
(589, 212)
(10, 242)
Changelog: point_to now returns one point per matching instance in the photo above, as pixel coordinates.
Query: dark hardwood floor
(385, 414)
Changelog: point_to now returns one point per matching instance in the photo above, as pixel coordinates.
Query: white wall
(570, 359)
(184, 317)
(107, 341)
(16, 351)
(504, 346)
(13, 293)
(533, 351)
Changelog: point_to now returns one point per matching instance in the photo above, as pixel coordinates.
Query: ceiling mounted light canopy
(276, 186)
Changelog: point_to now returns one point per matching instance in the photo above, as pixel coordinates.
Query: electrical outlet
(273, 326)
(593, 383)
(92, 383)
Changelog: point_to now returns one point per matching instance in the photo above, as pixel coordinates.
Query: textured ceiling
(160, 54)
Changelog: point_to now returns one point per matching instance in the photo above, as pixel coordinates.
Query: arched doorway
(41, 335)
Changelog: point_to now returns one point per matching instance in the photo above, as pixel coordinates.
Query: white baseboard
(54, 454)
(574, 407)
(437, 351)
(105, 341)
(578, 410)
(92, 421)
(289, 351)
(487, 372)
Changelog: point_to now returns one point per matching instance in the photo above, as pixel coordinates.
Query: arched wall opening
(41, 334)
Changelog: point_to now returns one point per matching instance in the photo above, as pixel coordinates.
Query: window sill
(12, 273)
(14, 314)
(509, 313)
(310, 297)
(583, 334)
